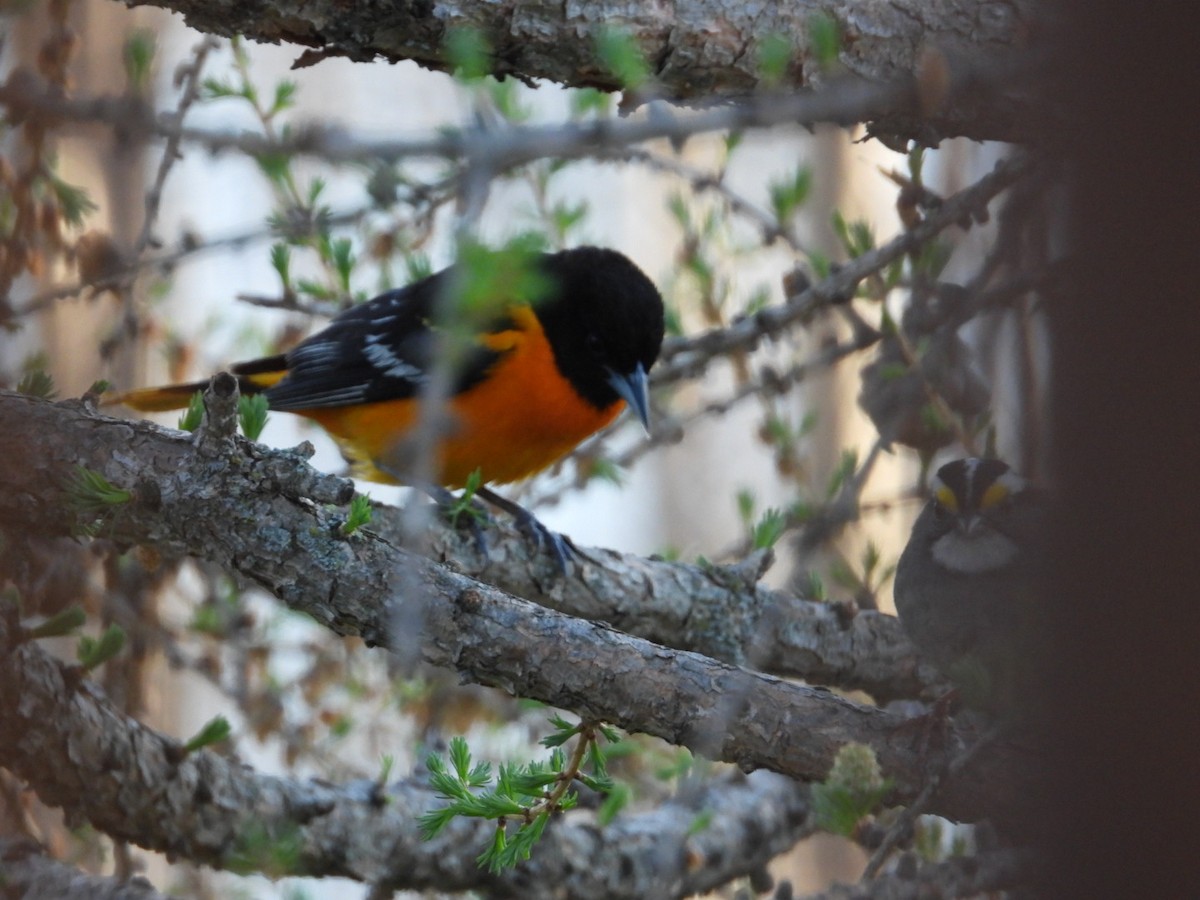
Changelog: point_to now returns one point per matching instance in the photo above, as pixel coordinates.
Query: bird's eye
(595, 345)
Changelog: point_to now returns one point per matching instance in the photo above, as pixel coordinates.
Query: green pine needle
(61, 623)
(252, 414)
(90, 493)
(359, 515)
(93, 652)
(194, 414)
(214, 731)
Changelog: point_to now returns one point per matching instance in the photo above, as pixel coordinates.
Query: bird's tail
(253, 378)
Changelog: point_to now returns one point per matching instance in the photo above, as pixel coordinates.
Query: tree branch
(695, 49)
(28, 874)
(264, 514)
(79, 752)
(960, 876)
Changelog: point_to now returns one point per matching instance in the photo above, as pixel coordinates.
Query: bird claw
(542, 537)
(560, 545)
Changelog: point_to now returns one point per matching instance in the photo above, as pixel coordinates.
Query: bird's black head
(970, 487)
(604, 320)
(976, 512)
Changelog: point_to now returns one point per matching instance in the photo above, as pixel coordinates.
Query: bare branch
(960, 876)
(30, 875)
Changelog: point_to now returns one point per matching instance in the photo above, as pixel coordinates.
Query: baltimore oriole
(535, 382)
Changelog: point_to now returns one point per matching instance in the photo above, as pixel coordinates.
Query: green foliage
(273, 851)
(623, 58)
(281, 261)
(932, 258)
(768, 529)
(191, 417)
(252, 414)
(506, 99)
(138, 57)
(277, 167)
(589, 100)
(916, 163)
(61, 623)
(614, 801)
(774, 57)
(214, 731)
(566, 217)
(788, 195)
(387, 763)
(285, 97)
(360, 514)
(522, 794)
(73, 202)
(816, 588)
(856, 237)
(463, 504)
(90, 493)
(672, 321)
(92, 652)
(601, 468)
(491, 278)
(824, 39)
(36, 382)
(700, 822)
(418, 266)
(847, 465)
(341, 254)
(853, 790)
(469, 53)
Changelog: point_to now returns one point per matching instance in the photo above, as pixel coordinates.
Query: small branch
(26, 872)
(688, 357)
(962, 876)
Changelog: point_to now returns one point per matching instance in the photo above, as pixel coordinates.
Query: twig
(918, 806)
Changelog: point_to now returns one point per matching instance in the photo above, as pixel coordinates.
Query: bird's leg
(560, 545)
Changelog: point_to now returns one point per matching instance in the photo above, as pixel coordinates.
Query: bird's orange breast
(520, 418)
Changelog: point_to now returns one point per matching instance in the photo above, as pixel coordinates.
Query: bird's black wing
(379, 350)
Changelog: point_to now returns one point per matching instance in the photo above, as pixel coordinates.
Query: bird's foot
(559, 545)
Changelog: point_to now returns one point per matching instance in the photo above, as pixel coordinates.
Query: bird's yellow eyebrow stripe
(946, 498)
(995, 493)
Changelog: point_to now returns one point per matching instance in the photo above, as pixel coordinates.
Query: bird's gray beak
(634, 390)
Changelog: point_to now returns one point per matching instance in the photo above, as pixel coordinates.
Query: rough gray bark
(77, 751)
(696, 49)
(266, 516)
(27, 874)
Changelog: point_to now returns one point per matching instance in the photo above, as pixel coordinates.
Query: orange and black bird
(546, 373)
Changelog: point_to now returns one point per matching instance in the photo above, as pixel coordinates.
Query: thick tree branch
(263, 514)
(79, 752)
(696, 49)
(719, 611)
